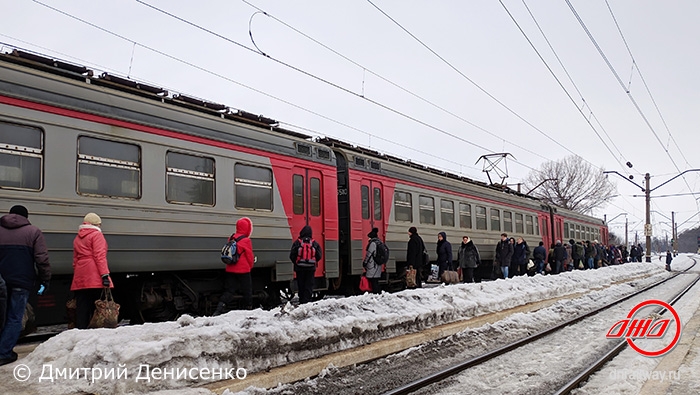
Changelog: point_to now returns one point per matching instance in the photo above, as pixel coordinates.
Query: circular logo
(677, 336)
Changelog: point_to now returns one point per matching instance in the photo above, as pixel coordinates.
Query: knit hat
(373, 234)
(413, 230)
(20, 210)
(93, 219)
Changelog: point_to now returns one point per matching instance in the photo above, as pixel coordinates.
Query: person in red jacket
(238, 278)
(90, 271)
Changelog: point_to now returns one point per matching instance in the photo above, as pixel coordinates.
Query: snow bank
(188, 352)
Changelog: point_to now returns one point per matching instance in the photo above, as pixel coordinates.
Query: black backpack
(229, 253)
(381, 253)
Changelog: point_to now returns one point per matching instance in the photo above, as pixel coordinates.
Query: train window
(447, 213)
(481, 218)
(578, 232)
(495, 219)
(374, 165)
(108, 168)
(519, 224)
(189, 179)
(566, 229)
(588, 233)
(253, 187)
(403, 207)
(426, 208)
(537, 226)
(507, 221)
(21, 156)
(365, 201)
(572, 231)
(529, 226)
(298, 193)
(465, 216)
(377, 203)
(315, 197)
(359, 162)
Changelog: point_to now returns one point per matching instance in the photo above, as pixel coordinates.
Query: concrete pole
(647, 226)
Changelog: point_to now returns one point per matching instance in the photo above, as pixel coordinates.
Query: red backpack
(306, 253)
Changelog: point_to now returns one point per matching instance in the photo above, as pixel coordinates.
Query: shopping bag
(434, 270)
(450, 277)
(365, 286)
(71, 314)
(411, 277)
(106, 311)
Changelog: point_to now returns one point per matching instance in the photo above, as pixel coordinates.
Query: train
(169, 174)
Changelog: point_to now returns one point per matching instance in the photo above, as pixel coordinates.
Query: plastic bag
(365, 286)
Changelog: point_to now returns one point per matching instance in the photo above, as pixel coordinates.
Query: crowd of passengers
(513, 257)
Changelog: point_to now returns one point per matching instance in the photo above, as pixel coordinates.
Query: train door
(308, 207)
(559, 229)
(372, 208)
(545, 231)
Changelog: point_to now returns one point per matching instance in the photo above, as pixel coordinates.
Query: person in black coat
(444, 253)
(521, 253)
(669, 258)
(469, 260)
(305, 266)
(504, 254)
(560, 257)
(414, 254)
(540, 255)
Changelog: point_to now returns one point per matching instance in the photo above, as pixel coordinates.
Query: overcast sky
(443, 82)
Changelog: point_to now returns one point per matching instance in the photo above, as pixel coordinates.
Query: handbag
(365, 286)
(106, 311)
(411, 277)
(450, 277)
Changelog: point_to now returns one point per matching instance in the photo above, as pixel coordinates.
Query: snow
(258, 340)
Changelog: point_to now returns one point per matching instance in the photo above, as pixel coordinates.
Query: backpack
(229, 253)
(306, 253)
(381, 253)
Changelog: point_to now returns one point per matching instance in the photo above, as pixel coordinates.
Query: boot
(220, 308)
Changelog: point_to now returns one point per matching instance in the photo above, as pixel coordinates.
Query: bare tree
(576, 184)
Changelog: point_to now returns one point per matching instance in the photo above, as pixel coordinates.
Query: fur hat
(20, 210)
(93, 219)
(373, 234)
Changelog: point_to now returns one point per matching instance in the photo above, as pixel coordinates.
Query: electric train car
(170, 175)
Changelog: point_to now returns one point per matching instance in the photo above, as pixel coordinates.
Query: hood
(87, 228)
(444, 235)
(244, 226)
(13, 221)
(306, 231)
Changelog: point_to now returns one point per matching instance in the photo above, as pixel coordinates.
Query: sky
(290, 334)
(439, 83)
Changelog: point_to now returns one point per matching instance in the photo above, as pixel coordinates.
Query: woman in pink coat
(90, 271)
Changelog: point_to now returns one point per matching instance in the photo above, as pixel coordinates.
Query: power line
(560, 83)
(566, 71)
(626, 89)
(332, 84)
(222, 76)
(472, 81)
(364, 68)
(636, 66)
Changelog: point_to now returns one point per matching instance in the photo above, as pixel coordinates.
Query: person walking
(373, 269)
(23, 258)
(504, 254)
(444, 253)
(305, 255)
(90, 269)
(669, 258)
(469, 260)
(237, 277)
(414, 254)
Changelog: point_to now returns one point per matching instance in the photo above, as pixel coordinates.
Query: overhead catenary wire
(190, 64)
(588, 121)
(385, 79)
(622, 84)
(487, 93)
(332, 84)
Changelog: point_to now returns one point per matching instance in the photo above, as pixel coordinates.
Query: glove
(43, 288)
(105, 280)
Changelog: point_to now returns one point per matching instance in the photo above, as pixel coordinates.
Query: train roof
(126, 85)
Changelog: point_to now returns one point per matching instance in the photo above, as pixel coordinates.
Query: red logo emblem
(632, 328)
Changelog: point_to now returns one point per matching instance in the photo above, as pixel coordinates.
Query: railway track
(455, 369)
